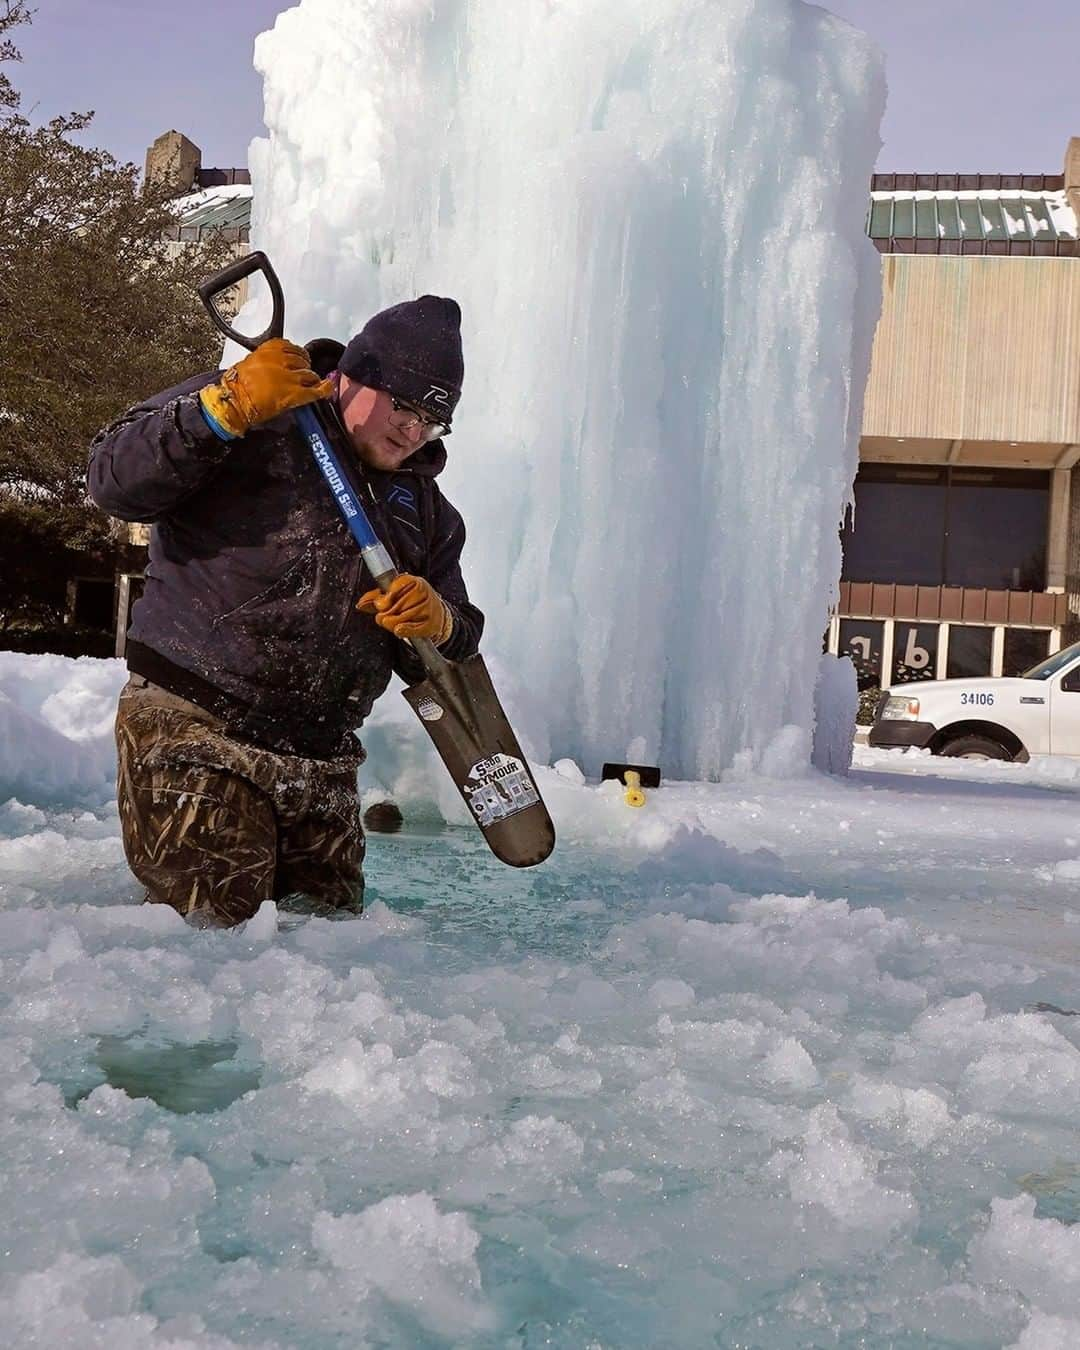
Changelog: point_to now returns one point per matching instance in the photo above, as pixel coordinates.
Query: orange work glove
(411, 608)
(270, 380)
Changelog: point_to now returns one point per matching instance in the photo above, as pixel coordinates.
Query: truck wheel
(974, 747)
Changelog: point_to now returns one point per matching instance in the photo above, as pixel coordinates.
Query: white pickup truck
(1037, 713)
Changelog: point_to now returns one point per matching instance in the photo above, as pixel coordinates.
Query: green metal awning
(954, 213)
(224, 210)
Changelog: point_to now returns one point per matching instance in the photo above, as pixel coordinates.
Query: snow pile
(1060, 772)
(651, 212)
(56, 719)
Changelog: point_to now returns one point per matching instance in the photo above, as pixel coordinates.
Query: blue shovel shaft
(376, 557)
(374, 552)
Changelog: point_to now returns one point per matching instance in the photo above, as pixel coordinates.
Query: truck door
(1065, 712)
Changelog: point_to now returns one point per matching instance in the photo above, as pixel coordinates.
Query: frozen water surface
(766, 1064)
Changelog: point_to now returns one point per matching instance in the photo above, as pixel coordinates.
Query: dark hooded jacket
(253, 577)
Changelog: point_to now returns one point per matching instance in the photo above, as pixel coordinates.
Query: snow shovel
(457, 703)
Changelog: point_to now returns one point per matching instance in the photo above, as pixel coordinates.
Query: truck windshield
(1053, 664)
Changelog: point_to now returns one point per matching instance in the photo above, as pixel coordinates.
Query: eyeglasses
(432, 430)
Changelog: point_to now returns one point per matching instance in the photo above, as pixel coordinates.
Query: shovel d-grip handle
(232, 276)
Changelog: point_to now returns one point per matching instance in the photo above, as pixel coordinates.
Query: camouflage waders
(214, 826)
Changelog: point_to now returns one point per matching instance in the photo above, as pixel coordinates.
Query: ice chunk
(1039, 1258)
(1049, 1333)
(836, 703)
(566, 768)
(840, 1176)
(414, 1256)
(17, 818)
(789, 1065)
(262, 926)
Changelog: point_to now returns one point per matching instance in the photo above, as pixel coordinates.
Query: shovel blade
(461, 712)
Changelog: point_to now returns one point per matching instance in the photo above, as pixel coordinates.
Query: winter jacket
(253, 577)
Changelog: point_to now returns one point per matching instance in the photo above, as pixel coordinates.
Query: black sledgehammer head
(648, 774)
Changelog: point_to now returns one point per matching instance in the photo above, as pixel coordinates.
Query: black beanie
(412, 350)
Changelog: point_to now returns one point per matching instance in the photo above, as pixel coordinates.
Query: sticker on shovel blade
(501, 787)
(429, 710)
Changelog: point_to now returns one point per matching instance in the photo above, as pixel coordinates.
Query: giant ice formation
(651, 212)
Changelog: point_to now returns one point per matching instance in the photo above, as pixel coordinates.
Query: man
(251, 658)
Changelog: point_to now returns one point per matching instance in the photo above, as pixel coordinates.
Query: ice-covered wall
(651, 212)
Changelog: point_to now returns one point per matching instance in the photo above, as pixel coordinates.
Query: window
(993, 222)
(904, 218)
(897, 530)
(1024, 648)
(926, 226)
(861, 639)
(1039, 218)
(881, 220)
(915, 648)
(923, 526)
(1054, 663)
(1015, 218)
(948, 217)
(970, 652)
(996, 529)
(94, 601)
(971, 218)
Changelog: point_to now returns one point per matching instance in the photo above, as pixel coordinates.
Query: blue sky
(975, 85)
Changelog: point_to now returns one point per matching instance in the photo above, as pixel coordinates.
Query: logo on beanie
(436, 395)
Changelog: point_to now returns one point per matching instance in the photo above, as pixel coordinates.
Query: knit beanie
(412, 350)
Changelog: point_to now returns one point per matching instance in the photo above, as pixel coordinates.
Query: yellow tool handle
(634, 795)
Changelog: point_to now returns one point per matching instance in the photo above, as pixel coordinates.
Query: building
(962, 554)
(210, 201)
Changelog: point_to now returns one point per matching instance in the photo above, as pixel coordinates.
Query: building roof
(1007, 214)
(223, 210)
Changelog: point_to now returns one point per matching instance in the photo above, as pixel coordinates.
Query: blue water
(478, 905)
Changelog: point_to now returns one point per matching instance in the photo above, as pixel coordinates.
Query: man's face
(375, 428)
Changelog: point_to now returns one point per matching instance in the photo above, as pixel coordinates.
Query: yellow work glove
(411, 608)
(270, 380)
